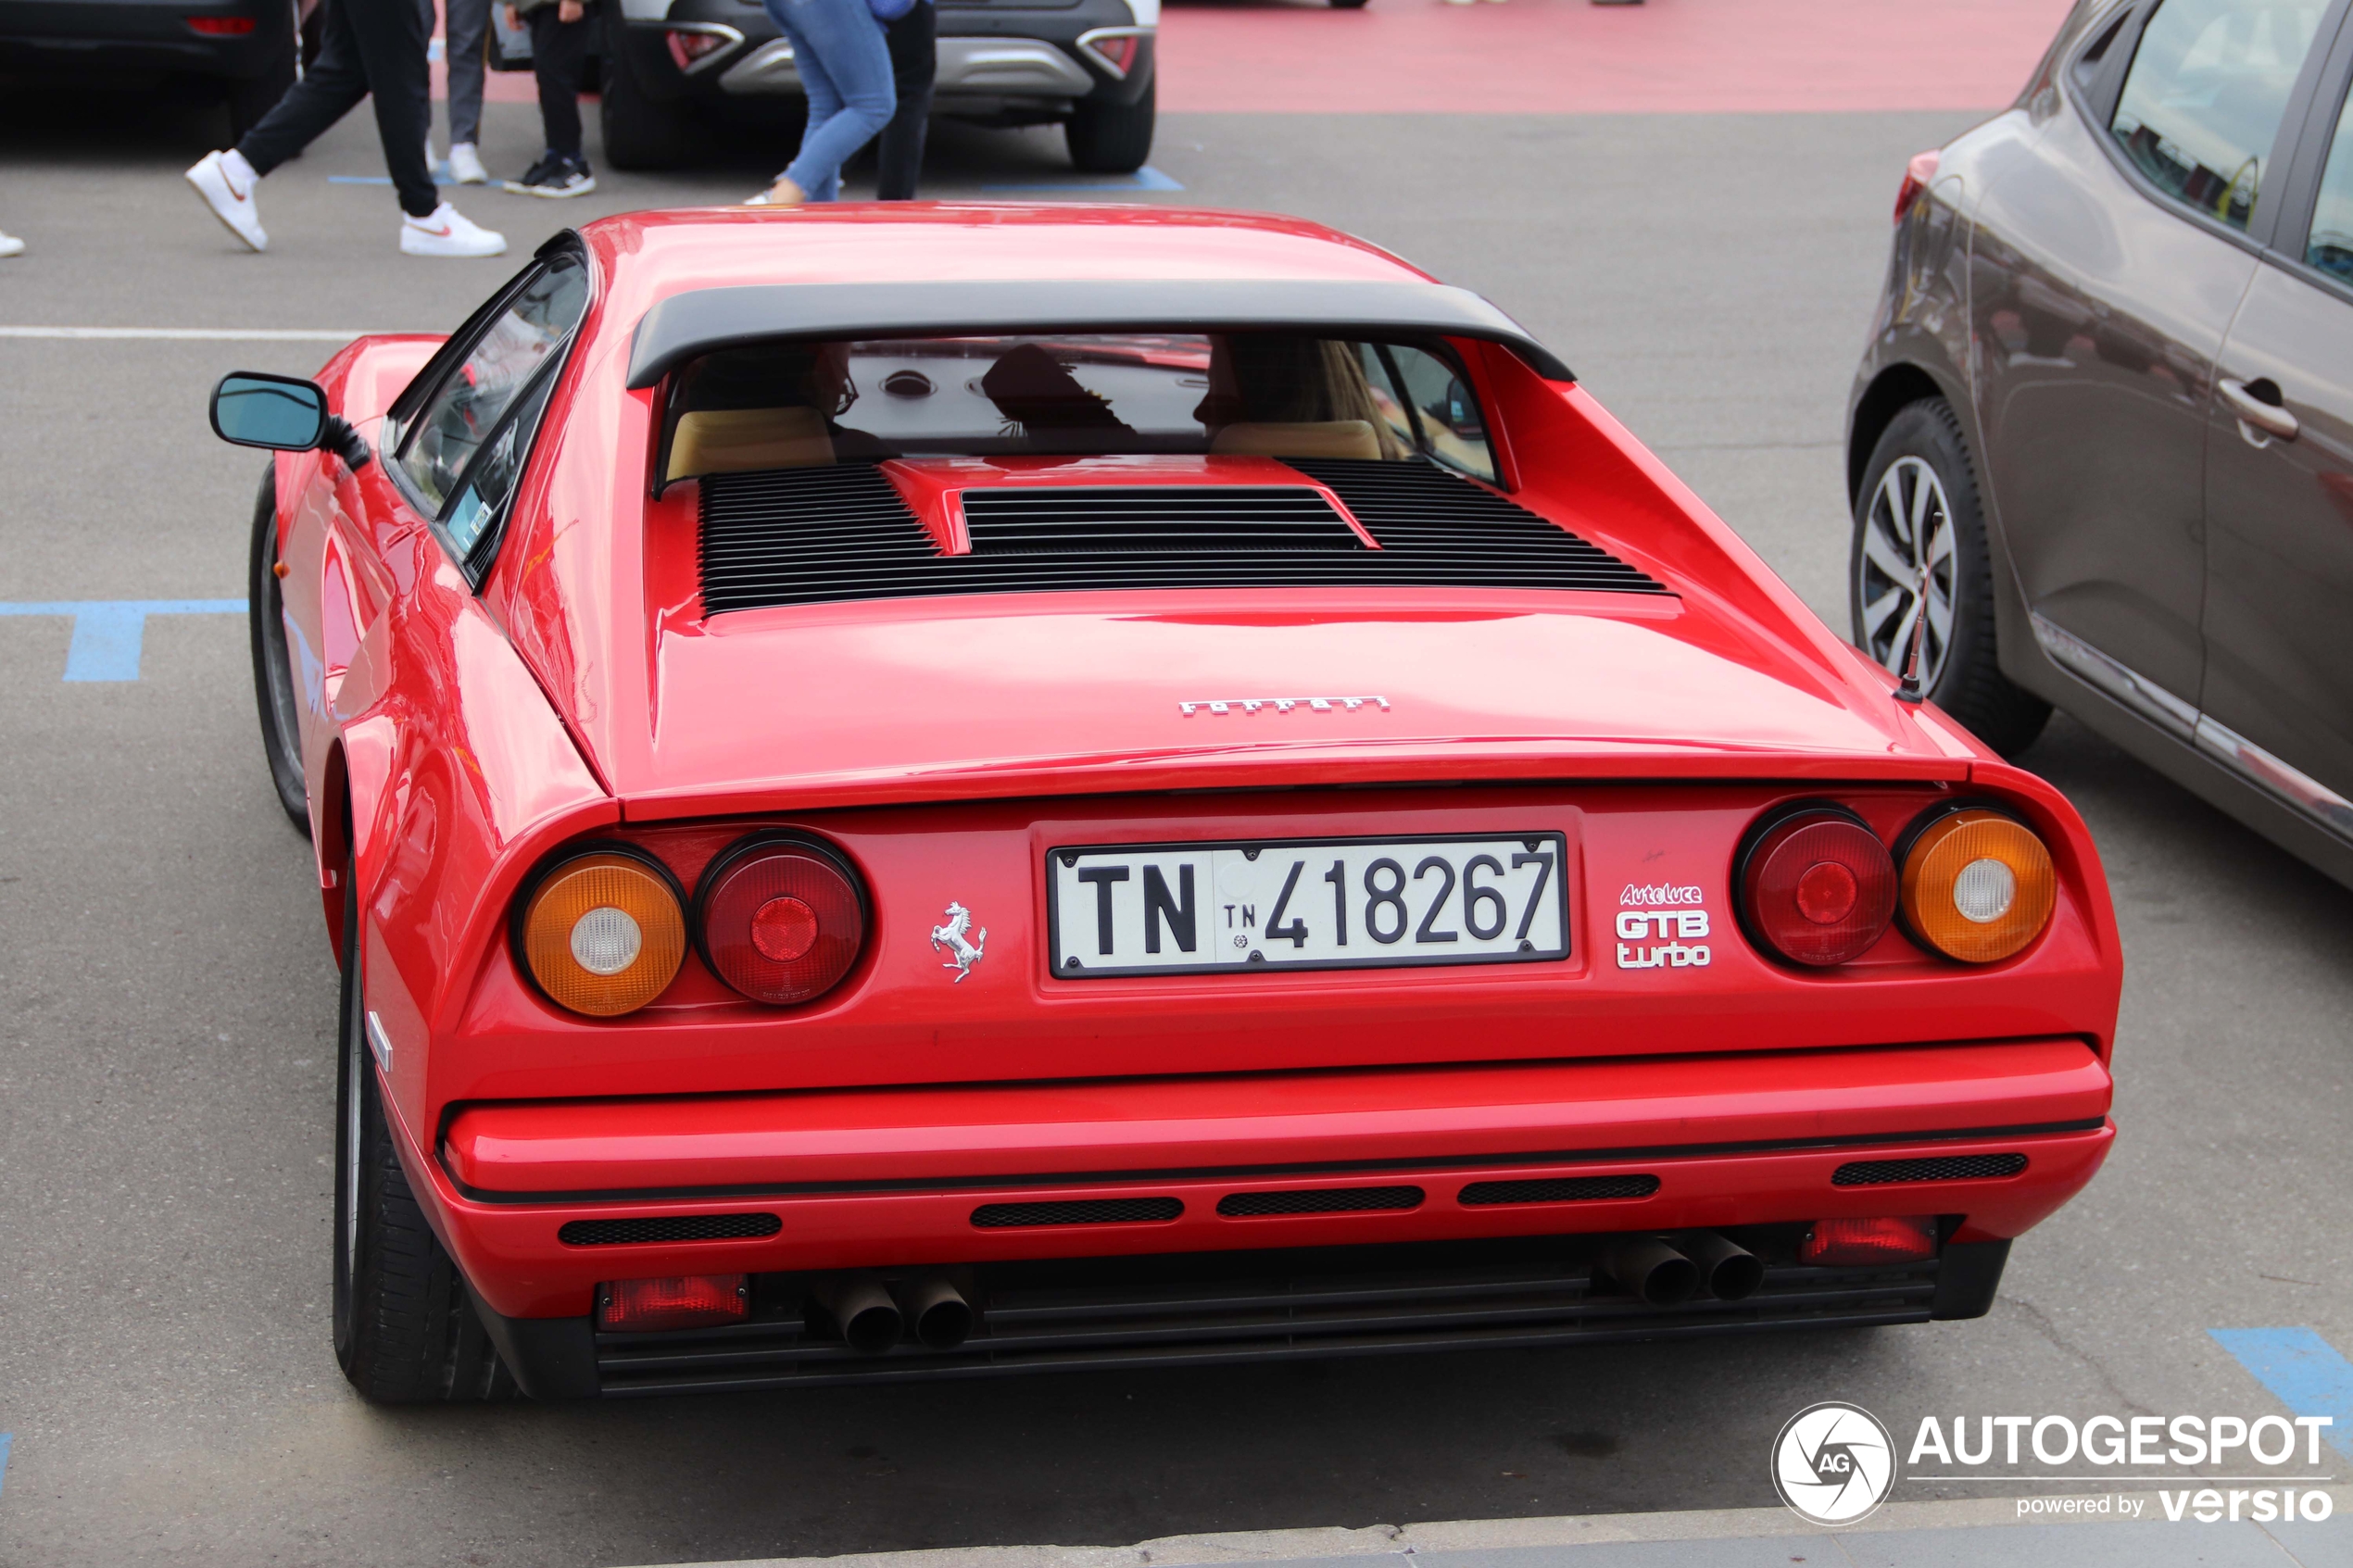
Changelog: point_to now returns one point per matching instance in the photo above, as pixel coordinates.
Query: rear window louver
(813, 536)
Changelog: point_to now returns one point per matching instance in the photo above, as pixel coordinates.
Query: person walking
(914, 42)
(369, 47)
(560, 33)
(465, 31)
(845, 70)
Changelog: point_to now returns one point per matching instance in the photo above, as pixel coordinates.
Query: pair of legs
(844, 68)
(558, 59)
(464, 28)
(369, 47)
(914, 62)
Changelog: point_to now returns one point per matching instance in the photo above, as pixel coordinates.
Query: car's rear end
(247, 46)
(1374, 867)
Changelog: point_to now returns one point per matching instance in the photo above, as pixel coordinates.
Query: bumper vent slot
(816, 535)
(1947, 1168)
(1079, 1211)
(668, 1227)
(1558, 1189)
(1326, 1200)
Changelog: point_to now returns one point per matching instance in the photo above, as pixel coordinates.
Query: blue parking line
(1144, 179)
(4, 1460)
(107, 632)
(2303, 1371)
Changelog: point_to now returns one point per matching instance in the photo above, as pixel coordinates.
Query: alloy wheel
(1905, 566)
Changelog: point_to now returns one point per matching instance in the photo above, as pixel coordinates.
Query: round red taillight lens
(1817, 888)
(781, 919)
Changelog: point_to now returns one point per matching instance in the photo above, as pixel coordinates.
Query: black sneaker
(554, 175)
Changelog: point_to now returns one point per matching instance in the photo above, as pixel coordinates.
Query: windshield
(794, 405)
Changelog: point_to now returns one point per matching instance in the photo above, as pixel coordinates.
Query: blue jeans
(844, 68)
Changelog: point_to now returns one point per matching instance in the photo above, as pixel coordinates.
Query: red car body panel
(945, 744)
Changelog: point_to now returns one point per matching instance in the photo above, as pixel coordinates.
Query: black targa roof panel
(686, 326)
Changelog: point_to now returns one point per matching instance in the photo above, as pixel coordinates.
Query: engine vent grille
(1558, 1189)
(813, 535)
(1326, 1200)
(667, 1227)
(1440, 530)
(1948, 1168)
(1079, 1211)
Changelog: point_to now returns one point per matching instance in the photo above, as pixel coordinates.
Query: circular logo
(1833, 1463)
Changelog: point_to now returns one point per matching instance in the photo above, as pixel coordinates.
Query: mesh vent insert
(667, 1227)
(1558, 1189)
(1079, 1211)
(1944, 1168)
(813, 536)
(1327, 1201)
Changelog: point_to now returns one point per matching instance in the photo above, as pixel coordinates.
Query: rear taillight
(1888, 1240)
(1916, 176)
(636, 1306)
(780, 918)
(1977, 886)
(603, 930)
(1817, 887)
(222, 26)
(686, 47)
(1117, 50)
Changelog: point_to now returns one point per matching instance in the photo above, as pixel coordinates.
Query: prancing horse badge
(967, 952)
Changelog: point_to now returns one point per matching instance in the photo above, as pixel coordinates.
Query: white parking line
(193, 335)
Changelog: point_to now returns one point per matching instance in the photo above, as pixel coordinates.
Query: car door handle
(2269, 417)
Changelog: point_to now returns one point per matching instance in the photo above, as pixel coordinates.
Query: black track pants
(368, 46)
(914, 61)
(559, 58)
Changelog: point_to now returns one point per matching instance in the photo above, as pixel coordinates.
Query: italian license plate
(1324, 903)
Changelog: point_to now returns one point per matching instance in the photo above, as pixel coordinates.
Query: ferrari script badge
(966, 950)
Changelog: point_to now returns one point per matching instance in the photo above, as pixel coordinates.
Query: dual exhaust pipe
(874, 1316)
(1665, 1275)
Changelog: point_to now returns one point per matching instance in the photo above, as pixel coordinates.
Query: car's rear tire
(273, 682)
(641, 132)
(1111, 138)
(1917, 507)
(405, 1331)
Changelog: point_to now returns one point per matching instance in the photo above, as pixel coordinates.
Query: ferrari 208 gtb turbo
(960, 790)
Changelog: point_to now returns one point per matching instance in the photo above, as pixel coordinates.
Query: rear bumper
(890, 1179)
(90, 39)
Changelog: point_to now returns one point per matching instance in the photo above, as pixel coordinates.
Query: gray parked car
(2103, 435)
(677, 72)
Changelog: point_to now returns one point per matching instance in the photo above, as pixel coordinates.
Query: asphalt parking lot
(167, 999)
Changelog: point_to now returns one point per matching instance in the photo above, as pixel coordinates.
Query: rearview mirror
(250, 409)
(283, 414)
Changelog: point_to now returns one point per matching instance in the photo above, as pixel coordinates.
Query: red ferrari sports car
(939, 791)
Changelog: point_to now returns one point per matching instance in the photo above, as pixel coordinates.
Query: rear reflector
(222, 26)
(1889, 1240)
(1119, 52)
(685, 48)
(636, 1306)
(1917, 177)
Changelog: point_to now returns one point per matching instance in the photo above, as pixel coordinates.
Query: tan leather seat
(737, 440)
(1326, 438)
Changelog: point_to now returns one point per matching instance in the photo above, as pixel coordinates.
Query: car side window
(2203, 101)
(1428, 407)
(464, 410)
(2330, 245)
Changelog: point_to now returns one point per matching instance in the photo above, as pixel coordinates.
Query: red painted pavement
(1569, 57)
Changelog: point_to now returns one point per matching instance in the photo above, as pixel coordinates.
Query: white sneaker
(447, 233)
(226, 181)
(465, 165)
(11, 245)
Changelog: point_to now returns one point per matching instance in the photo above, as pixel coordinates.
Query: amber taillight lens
(1977, 886)
(781, 919)
(603, 930)
(1818, 887)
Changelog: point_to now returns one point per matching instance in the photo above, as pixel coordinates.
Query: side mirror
(282, 414)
